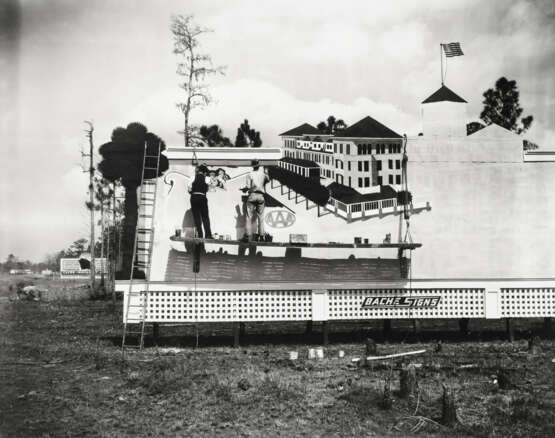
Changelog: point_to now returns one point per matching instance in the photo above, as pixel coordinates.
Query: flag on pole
(452, 49)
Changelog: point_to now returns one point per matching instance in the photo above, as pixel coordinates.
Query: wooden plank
(297, 245)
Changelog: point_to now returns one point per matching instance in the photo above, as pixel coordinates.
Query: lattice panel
(213, 306)
(527, 302)
(454, 303)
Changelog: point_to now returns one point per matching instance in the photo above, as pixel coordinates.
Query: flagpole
(441, 61)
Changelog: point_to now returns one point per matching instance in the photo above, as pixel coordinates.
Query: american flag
(452, 49)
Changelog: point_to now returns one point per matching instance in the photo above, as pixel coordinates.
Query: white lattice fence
(216, 306)
(493, 300)
(527, 302)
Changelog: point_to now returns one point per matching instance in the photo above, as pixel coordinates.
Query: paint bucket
(293, 355)
(312, 353)
(341, 353)
(320, 353)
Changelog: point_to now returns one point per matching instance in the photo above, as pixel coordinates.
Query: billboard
(74, 268)
(484, 214)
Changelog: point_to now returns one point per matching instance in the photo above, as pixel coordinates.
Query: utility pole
(89, 132)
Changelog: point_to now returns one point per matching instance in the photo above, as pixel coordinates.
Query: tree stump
(371, 347)
(449, 408)
(387, 400)
(408, 382)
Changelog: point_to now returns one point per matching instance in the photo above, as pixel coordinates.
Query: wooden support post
(547, 325)
(155, 332)
(463, 326)
(325, 333)
(308, 329)
(416, 327)
(236, 334)
(386, 328)
(510, 330)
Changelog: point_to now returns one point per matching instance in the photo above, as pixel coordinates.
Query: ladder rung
(146, 215)
(151, 156)
(145, 230)
(150, 168)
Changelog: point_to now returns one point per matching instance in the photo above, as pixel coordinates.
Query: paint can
(341, 353)
(293, 355)
(320, 353)
(312, 353)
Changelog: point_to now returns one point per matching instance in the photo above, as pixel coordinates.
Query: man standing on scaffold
(256, 182)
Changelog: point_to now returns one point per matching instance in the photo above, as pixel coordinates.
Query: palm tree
(332, 126)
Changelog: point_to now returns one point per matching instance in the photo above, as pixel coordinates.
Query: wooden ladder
(134, 320)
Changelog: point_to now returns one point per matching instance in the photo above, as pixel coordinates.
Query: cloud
(268, 108)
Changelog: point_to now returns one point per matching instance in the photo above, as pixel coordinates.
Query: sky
(287, 62)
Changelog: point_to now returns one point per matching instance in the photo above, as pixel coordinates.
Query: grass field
(62, 374)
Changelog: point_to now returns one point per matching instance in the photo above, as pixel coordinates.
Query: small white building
(444, 114)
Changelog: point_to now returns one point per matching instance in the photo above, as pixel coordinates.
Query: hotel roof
(444, 94)
(305, 128)
(368, 128)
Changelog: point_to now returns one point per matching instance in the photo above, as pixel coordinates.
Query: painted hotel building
(364, 157)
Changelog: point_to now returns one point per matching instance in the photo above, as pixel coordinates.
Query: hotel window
(341, 148)
(366, 168)
(380, 180)
(383, 148)
(379, 165)
(397, 179)
(335, 149)
(370, 149)
(360, 182)
(366, 182)
(350, 182)
(348, 152)
(390, 163)
(349, 166)
(390, 179)
(397, 164)
(389, 149)
(360, 166)
(377, 148)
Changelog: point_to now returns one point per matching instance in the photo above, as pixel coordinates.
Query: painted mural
(287, 217)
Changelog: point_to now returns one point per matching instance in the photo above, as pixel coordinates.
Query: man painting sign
(255, 186)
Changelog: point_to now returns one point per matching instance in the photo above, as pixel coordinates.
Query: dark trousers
(199, 206)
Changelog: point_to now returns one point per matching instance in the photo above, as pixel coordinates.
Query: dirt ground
(62, 374)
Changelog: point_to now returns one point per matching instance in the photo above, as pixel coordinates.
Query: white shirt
(257, 179)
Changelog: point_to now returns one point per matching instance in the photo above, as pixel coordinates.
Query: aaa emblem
(280, 219)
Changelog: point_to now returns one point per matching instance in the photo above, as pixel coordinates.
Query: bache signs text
(400, 302)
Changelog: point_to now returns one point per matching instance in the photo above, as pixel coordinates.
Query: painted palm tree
(123, 160)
